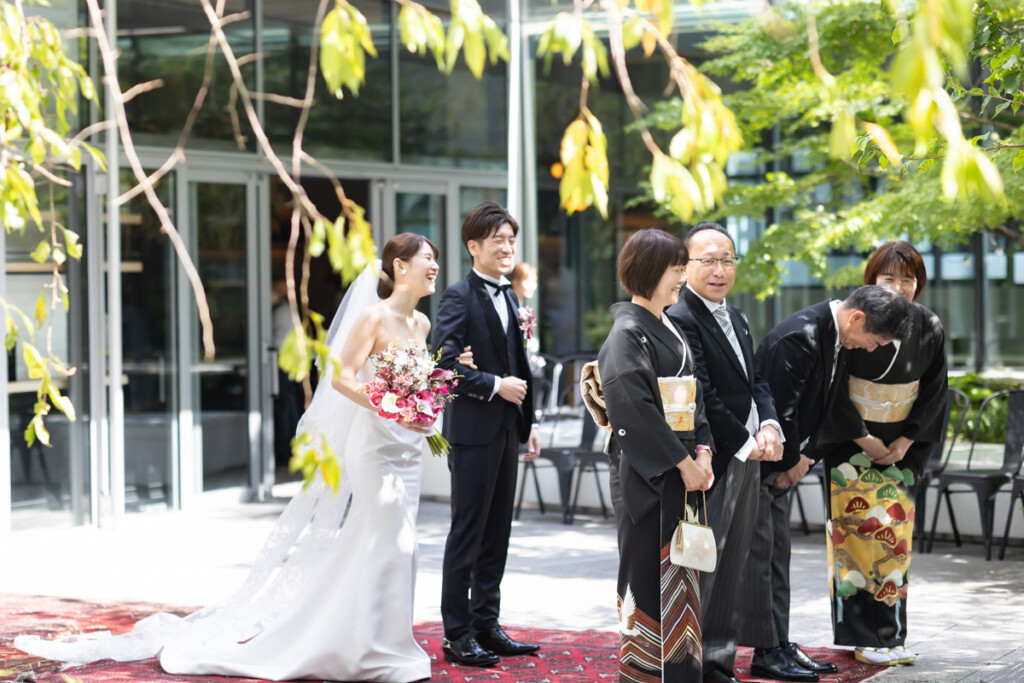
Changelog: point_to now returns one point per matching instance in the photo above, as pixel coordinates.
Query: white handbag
(693, 543)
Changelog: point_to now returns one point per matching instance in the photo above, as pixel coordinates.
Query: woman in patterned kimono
(883, 430)
(653, 466)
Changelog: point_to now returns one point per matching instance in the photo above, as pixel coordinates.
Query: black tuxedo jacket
(727, 390)
(795, 358)
(466, 317)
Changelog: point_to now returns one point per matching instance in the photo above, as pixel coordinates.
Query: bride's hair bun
(385, 285)
(402, 246)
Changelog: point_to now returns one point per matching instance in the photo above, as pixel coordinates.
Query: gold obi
(679, 396)
(882, 402)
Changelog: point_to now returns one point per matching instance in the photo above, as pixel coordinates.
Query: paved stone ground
(966, 615)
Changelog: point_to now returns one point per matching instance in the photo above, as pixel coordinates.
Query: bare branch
(45, 173)
(176, 156)
(279, 99)
(232, 110)
(297, 155)
(1012, 235)
(92, 129)
(338, 189)
(140, 88)
(636, 105)
(116, 104)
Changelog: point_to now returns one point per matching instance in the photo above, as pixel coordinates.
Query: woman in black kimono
(652, 465)
(883, 430)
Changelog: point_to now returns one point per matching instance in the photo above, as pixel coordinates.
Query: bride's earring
(403, 271)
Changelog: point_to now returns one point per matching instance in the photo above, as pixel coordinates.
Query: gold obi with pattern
(679, 397)
(882, 402)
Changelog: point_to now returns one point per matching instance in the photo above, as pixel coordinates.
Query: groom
(490, 417)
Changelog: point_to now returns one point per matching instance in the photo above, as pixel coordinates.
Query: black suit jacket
(727, 390)
(795, 358)
(466, 317)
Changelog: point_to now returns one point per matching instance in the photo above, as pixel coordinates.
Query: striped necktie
(722, 317)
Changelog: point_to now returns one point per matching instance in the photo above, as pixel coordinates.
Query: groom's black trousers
(483, 497)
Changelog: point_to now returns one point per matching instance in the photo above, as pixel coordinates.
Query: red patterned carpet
(565, 657)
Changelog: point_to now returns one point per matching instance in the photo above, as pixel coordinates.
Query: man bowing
(490, 417)
(803, 359)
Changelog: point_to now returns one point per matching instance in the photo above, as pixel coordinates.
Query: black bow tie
(496, 287)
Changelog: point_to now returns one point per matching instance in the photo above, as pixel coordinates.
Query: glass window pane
(1005, 302)
(358, 127)
(222, 385)
(166, 40)
(148, 341)
(452, 120)
(49, 485)
(422, 213)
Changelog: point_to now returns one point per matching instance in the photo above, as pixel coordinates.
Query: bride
(330, 595)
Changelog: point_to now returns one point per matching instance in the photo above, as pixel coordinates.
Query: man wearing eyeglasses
(744, 427)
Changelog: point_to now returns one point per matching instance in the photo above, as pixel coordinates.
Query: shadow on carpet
(565, 657)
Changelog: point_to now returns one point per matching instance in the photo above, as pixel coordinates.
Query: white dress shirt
(501, 307)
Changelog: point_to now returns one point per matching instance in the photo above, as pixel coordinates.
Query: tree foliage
(861, 152)
(40, 88)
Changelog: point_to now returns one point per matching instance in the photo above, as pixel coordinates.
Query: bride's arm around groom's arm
(451, 337)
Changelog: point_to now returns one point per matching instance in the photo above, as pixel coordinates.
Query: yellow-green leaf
(40, 312)
(41, 253)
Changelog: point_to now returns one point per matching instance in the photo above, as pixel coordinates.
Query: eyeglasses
(710, 262)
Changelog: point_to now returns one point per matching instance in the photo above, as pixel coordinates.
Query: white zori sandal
(884, 656)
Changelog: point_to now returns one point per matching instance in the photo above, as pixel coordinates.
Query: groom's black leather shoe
(776, 663)
(801, 658)
(497, 641)
(719, 676)
(467, 651)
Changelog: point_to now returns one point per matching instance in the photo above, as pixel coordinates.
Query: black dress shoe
(497, 641)
(801, 658)
(719, 676)
(776, 663)
(467, 651)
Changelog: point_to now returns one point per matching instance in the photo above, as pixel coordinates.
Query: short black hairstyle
(707, 225)
(897, 259)
(484, 221)
(886, 313)
(645, 257)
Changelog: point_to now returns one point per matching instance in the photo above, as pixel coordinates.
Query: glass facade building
(158, 423)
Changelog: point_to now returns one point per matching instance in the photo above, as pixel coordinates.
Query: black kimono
(871, 517)
(659, 602)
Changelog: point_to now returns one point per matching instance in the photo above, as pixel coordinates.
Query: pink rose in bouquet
(409, 387)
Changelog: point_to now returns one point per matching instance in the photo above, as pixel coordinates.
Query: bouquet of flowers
(409, 387)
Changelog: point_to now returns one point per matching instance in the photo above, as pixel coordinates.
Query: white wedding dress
(330, 596)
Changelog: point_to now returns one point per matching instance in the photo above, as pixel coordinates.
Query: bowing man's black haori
(659, 603)
(871, 519)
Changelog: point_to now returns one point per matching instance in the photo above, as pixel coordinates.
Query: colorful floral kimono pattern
(870, 532)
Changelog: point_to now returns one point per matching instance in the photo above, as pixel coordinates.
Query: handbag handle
(705, 506)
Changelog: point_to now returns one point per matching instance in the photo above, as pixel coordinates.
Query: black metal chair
(985, 483)
(1016, 491)
(939, 459)
(562, 403)
(1013, 422)
(545, 378)
(585, 458)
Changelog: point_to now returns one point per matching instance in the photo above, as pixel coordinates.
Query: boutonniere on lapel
(527, 321)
